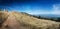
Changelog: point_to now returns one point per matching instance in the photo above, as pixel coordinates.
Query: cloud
(56, 9)
(35, 12)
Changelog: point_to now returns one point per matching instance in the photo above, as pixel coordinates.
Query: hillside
(16, 20)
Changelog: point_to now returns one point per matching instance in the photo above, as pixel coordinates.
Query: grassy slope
(34, 23)
(3, 15)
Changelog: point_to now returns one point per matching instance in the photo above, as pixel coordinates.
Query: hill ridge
(27, 22)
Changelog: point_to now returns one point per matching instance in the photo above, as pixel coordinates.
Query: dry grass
(34, 23)
(28, 22)
(3, 17)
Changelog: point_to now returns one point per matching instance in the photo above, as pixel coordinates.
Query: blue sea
(48, 15)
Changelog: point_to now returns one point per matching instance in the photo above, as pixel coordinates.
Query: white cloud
(37, 12)
(56, 9)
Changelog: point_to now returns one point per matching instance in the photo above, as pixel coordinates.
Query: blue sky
(32, 6)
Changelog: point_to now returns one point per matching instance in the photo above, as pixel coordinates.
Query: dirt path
(11, 23)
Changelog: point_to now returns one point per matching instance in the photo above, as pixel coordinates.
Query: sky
(34, 7)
